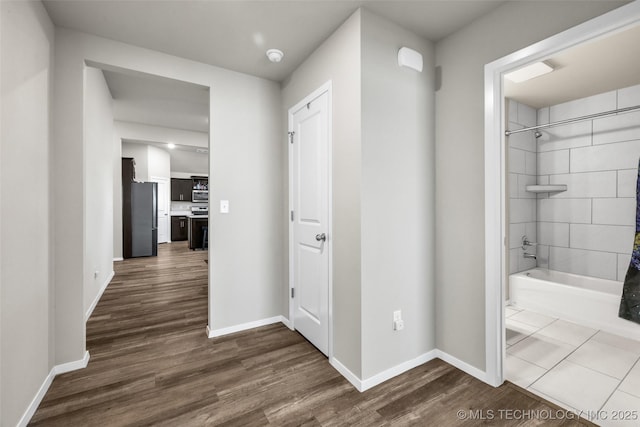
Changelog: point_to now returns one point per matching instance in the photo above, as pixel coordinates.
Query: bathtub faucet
(533, 256)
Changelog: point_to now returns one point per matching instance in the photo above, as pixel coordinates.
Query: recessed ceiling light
(275, 55)
(171, 145)
(529, 72)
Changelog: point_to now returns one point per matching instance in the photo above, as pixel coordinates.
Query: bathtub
(584, 300)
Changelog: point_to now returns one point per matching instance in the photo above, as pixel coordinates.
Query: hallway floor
(152, 364)
(578, 368)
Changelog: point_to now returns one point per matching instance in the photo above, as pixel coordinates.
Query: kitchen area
(190, 211)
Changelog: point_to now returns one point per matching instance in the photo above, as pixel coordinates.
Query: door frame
(326, 87)
(496, 277)
(167, 181)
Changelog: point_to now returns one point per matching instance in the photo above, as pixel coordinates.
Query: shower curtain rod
(577, 119)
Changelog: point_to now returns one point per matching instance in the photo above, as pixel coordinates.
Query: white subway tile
(513, 185)
(531, 230)
(621, 127)
(543, 116)
(553, 162)
(565, 210)
(553, 234)
(523, 141)
(516, 231)
(513, 261)
(566, 136)
(592, 184)
(627, 180)
(526, 263)
(522, 210)
(605, 238)
(584, 106)
(512, 111)
(621, 155)
(614, 211)
(527, 116)
(623, 265)
(543, 256)
(629, 97)
(530, 162)
(543, 179)
(523, 181)
(586, 263)
(516, 161)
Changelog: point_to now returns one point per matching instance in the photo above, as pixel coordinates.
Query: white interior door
(163, 208)
(310, 125)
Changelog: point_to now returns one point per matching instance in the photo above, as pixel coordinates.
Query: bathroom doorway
(558, 205)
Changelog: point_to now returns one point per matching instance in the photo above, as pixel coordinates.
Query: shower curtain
(630, 303)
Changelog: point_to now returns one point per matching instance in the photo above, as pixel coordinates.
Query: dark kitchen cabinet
(181, 190)
(179, 228)
(196, 232)
(128, 176)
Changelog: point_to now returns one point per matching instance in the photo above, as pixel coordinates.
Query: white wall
(460, 296)
(188, 163)
(98, 201)
(159, 163)
(398, 194)
(140, 153)
(25, 214)
(117, 195)
(522, 167)
(246, 135)
(589, 229)
(338, 60)
(149, 133)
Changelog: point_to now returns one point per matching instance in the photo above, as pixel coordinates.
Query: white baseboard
(118, 259)
(463, 366)
(397, 370)
(364, 385)
(33, 406)
(92, 307)
(346, 373)
(286, 322)
(212, 333)
(56, 370)
(72, 366)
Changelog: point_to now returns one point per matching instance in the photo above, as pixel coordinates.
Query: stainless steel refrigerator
(144, 219)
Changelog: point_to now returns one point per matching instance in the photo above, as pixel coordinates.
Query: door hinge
(291, 216)
(291, 136)
(292, 292)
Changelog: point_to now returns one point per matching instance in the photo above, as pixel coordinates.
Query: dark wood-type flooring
(152, 364)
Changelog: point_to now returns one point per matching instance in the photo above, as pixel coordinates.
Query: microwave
(200, 196)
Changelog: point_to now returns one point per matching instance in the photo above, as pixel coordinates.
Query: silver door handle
(321, 237)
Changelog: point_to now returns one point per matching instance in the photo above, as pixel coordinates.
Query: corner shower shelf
(546, 188)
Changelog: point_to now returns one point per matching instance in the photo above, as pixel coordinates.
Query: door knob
(321, 237)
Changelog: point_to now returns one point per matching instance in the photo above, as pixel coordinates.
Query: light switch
(224, 206)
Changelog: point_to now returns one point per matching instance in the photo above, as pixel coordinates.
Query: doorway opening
(558, 210)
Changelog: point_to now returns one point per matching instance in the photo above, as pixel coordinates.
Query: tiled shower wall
(522, 172)
(589, 229)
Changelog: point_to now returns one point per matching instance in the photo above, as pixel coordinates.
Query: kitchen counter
(190, 215)
(180, 213)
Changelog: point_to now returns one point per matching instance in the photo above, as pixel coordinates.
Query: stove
(199, 210)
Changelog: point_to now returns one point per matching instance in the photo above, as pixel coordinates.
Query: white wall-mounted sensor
(410, 58)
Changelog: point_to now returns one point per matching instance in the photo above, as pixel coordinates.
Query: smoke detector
(275, 55)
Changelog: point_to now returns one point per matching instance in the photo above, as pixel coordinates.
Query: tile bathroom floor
(578, 368)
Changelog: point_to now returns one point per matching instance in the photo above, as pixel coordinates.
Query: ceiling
(158, 101)
(235, 34)
(602, 65)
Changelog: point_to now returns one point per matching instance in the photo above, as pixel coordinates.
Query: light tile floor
(578, 368)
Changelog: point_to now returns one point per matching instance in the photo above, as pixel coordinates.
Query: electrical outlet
(398, 325)
(96, 274)
(397, 315)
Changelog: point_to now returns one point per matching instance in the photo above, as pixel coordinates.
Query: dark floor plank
(152, 364)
